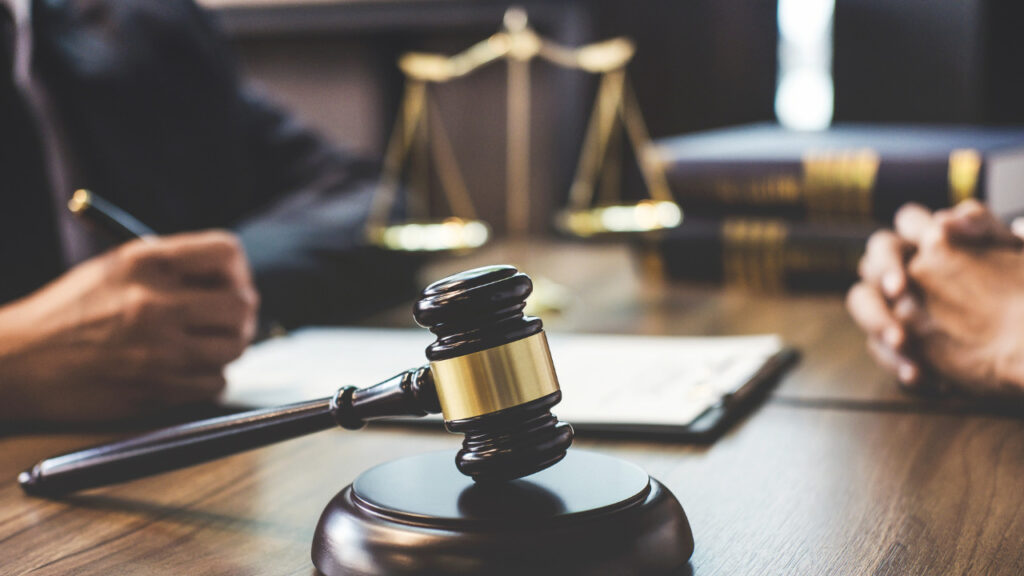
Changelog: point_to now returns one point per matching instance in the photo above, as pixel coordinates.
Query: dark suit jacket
(162, 125)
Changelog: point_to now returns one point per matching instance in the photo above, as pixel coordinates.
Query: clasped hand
(145, 326)
(941, 299)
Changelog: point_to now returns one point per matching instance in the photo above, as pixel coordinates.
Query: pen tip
(29, 480)
(79, 201)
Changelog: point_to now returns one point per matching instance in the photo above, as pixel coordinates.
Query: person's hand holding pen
(147, 325)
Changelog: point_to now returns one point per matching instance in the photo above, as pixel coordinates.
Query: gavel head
(493, 373)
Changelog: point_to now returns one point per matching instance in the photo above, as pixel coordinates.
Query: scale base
(589, 514)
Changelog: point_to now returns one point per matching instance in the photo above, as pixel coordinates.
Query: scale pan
(644, 216)
(448, 235)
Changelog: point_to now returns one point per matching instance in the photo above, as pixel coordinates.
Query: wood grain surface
(792, 490)
(838, 473)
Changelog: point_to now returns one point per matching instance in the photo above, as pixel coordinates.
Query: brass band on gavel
(495, 379)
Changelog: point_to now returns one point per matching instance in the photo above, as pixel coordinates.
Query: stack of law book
(772, 208)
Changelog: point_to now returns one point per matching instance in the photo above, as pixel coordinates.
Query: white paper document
(661, 381)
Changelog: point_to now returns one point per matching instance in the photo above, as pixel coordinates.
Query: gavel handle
(410, 393)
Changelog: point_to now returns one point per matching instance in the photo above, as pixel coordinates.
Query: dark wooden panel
(928, 61)
(913, 61)
(701, 63)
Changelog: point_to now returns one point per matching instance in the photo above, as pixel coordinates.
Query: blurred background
(806, 65)
(698, 65)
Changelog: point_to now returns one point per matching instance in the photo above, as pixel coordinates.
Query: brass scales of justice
(587, 214)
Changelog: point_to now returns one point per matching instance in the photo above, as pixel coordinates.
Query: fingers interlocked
(885, 303)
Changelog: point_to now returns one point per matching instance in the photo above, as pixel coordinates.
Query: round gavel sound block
(589, 514)
(513, 500)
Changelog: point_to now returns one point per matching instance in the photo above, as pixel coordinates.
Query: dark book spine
(853, 185)
(764, 254)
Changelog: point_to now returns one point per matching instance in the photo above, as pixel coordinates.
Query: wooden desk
(848, 487)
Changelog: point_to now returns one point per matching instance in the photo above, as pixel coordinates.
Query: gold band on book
(753, 254)
(495, 379)
(775, 189)
(964, 168)
(840, 183)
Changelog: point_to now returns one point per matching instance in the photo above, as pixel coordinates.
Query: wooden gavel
(490, 375)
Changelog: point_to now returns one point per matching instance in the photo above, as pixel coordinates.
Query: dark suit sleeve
(163, 124)
(305, 240)
(303, 226)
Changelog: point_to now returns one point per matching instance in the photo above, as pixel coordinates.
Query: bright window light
(804, 97)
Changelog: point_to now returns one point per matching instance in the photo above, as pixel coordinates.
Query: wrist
(12, 339)
(1010, 373)
(1009, 368)
(24, 359)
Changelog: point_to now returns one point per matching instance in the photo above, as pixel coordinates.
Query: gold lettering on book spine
(780, 189)
(753, 254)
(964, 168)
(840, 183)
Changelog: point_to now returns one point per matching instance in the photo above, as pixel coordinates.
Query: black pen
(115, 221)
